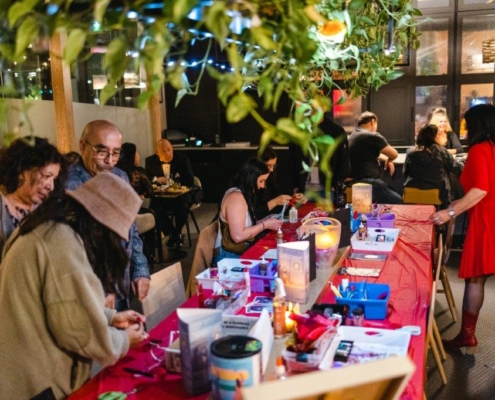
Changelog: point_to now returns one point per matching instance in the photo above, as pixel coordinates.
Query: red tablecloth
(407, 270)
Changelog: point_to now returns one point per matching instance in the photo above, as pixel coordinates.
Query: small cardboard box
(374, 241)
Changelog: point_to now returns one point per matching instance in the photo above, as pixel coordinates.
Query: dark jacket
(431, 170)
(180, 169)
(339, 163)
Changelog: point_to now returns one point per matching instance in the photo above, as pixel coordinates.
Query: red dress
(478, 255)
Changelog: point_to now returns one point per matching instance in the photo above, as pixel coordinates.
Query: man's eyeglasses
(102, 153)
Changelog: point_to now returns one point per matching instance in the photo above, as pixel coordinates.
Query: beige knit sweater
(53, 317)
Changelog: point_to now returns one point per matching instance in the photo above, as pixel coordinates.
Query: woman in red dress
(479, 246)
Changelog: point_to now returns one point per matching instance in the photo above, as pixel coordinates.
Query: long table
(407, 269)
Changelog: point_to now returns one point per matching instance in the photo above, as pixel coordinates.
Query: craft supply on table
(280, 373)
(279, 309)
(371, 272)
(293, 215)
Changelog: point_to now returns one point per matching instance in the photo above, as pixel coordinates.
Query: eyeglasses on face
(102, 153)
(271, 166)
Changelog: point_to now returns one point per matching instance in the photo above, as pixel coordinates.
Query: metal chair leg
(188, 232)
(194, 221)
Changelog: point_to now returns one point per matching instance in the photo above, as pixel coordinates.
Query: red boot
(466, 337)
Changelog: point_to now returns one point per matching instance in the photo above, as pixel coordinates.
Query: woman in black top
(430, 165)
(269, 199)
(129, 163)
(446, 137)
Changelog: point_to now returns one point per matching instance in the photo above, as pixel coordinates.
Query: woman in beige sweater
(55, 270)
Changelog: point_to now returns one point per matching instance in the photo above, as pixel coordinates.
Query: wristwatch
(451, 212)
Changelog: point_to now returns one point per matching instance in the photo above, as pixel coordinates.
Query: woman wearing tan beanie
(56, 268)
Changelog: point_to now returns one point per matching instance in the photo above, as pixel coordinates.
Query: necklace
(17, 208)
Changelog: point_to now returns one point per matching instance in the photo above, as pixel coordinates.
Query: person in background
(100, 146)
(56, 268)
(71, 157)
(367, 149)
(479, 250)
(238, 225)
(30, 169)
(163, 167)
(430, 165)
(449, 140)
(339, 164)
(269, 201)
(446, 137)
(129, 163)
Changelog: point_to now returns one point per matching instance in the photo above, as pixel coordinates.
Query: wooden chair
(421, 196)
(380, 380)
(203, 255)
(446, 288)
(433, 335)
(166, 294)
(193, 207)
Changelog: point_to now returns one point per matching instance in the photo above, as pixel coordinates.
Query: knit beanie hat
(110, 200)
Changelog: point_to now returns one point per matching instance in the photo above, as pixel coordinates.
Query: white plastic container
(373, 243)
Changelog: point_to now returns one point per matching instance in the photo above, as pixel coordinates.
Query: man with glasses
(100, 147)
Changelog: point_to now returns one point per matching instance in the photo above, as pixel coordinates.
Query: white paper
(237, 324)
(270, 254)
(264, 333)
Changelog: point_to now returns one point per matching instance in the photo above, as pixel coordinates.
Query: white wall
(134, 123)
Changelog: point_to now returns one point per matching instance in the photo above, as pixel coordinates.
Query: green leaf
(180, 94)
(108, 92)
(27, 33)
(263, 37)
(99, 9)
(177, 10)
(17, 11)
(217, 21)
(115, 58)
(75, 44)
(395, 74)
(144, 98)
(238, 107)
(325, 139)
(355, 5)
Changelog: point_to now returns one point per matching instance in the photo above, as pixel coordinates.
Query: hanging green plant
(303, 48)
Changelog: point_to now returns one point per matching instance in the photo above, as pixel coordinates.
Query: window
(427, 99)
(432, 57)
(475, 29)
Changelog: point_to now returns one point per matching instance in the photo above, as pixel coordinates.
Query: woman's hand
(272, 223)
(282, 199)
(110, 300)
(124, 319)
(136, 334)
(440, 217)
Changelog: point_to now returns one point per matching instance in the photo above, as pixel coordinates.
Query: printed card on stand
(198, 329)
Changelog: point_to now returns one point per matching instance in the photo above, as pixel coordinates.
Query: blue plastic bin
(372, 306)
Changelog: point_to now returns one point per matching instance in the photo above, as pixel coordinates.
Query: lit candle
(289, 323)
(327, 240)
